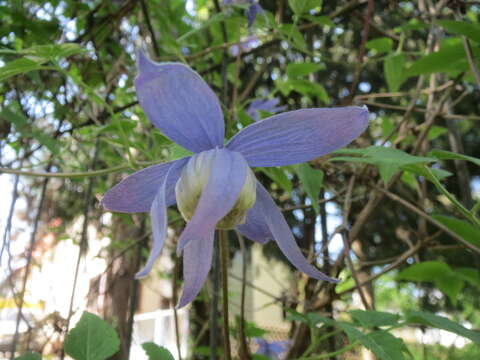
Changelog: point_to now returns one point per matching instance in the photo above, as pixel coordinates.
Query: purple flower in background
(215, 187)
(272, 349)
(244, 45)
(254, 8)
(269, 105)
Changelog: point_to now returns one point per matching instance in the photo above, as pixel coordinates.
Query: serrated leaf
(462, 228)
(393, 68)
(92, 339)
(155, 352)
(372, 318)
(468, 29)
(29, 356)
(312, 181)
(380, 45)
(20, 66)
(440, 322)
(295, 70)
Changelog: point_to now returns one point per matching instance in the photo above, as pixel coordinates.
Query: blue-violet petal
(297, 136)
(180, 104)
(136, 192)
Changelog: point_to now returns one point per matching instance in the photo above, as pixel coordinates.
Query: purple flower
(269, 105)
(254, 8)
(272, 349)
(244, 45)
(216, 182)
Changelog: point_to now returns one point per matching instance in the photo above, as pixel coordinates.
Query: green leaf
(91, 339)
(295, 70)
(260, 357)
(393, 67)
(279, 176)
(383, 344)
(451, 56)
(419, 169)
(440, 322)
(301, 7)
(468, 29)
(469, 275)
(436, 131)
(16, 118)
(155, 352)
(29, 356)
(55, 51)
(312, 181)
(304, 87)
(436, 272)
(315, 319)
(424, 271)
(462, 228)
(448, 155)
(388, 160)
(322, 20)
(20, 66)
(178, 152)
(372, 318)
(380, 45)
(291, 34)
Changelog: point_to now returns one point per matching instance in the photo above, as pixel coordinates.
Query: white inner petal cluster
(193, 180)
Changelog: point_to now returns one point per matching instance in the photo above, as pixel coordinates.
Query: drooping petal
(197, 261)
(180, 104)
(284, 238)
(227, 177)
(158, 216)
(255, 227)
(136, 192)
(297, 136)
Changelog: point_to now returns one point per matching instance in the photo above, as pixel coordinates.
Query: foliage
(411, 215)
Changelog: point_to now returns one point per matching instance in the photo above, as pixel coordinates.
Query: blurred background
(395, 216)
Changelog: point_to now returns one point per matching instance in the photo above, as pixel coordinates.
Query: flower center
(193, 180)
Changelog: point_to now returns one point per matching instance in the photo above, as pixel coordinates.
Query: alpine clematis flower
(215, 188)
(272, 349)
(269, 105)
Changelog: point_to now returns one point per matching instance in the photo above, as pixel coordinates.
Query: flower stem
(244, 353)
(214, 302)
(224, 259)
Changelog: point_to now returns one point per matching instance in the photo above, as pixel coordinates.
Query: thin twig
(83, 240)
(224, 255)
(33, 236)
(214, 300)
(244, 353)
(431, 220)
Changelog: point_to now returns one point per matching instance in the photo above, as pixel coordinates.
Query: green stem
(334, 353)
(224, 261)
(73, 174)
(452, 198)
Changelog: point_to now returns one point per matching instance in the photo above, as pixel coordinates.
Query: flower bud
(193, 180)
